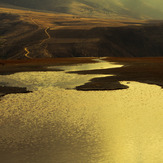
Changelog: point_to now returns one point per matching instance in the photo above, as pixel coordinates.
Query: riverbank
(144, 70)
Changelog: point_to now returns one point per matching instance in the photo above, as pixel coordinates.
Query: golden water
(54, 125)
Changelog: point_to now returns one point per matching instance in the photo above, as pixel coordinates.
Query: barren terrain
(28, 34)
(140, 9)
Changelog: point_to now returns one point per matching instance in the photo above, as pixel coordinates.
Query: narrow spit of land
(13, 66)
(143, 70)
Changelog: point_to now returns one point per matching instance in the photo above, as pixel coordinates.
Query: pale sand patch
(54, 124)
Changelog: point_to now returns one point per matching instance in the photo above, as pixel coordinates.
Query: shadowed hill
(126, 41)
(98, 8)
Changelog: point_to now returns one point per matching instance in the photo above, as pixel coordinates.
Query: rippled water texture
(38, 80)
(55, 125)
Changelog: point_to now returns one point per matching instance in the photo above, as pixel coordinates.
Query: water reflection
(36, 80)
(101, 64)
(68, 126)
(57, 125)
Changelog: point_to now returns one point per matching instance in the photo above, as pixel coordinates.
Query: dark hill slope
(145, 40)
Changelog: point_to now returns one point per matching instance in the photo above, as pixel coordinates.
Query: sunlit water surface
(56, 125)
(62, 79)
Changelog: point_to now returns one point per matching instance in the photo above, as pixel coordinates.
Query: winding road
(45, 51)
(46, 32)
(27, 52)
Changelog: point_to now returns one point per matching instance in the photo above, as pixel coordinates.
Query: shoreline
(143, 70)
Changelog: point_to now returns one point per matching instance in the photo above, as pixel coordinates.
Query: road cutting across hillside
(27, 53)
(46, 32)
(48, 37)
(43, 41)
